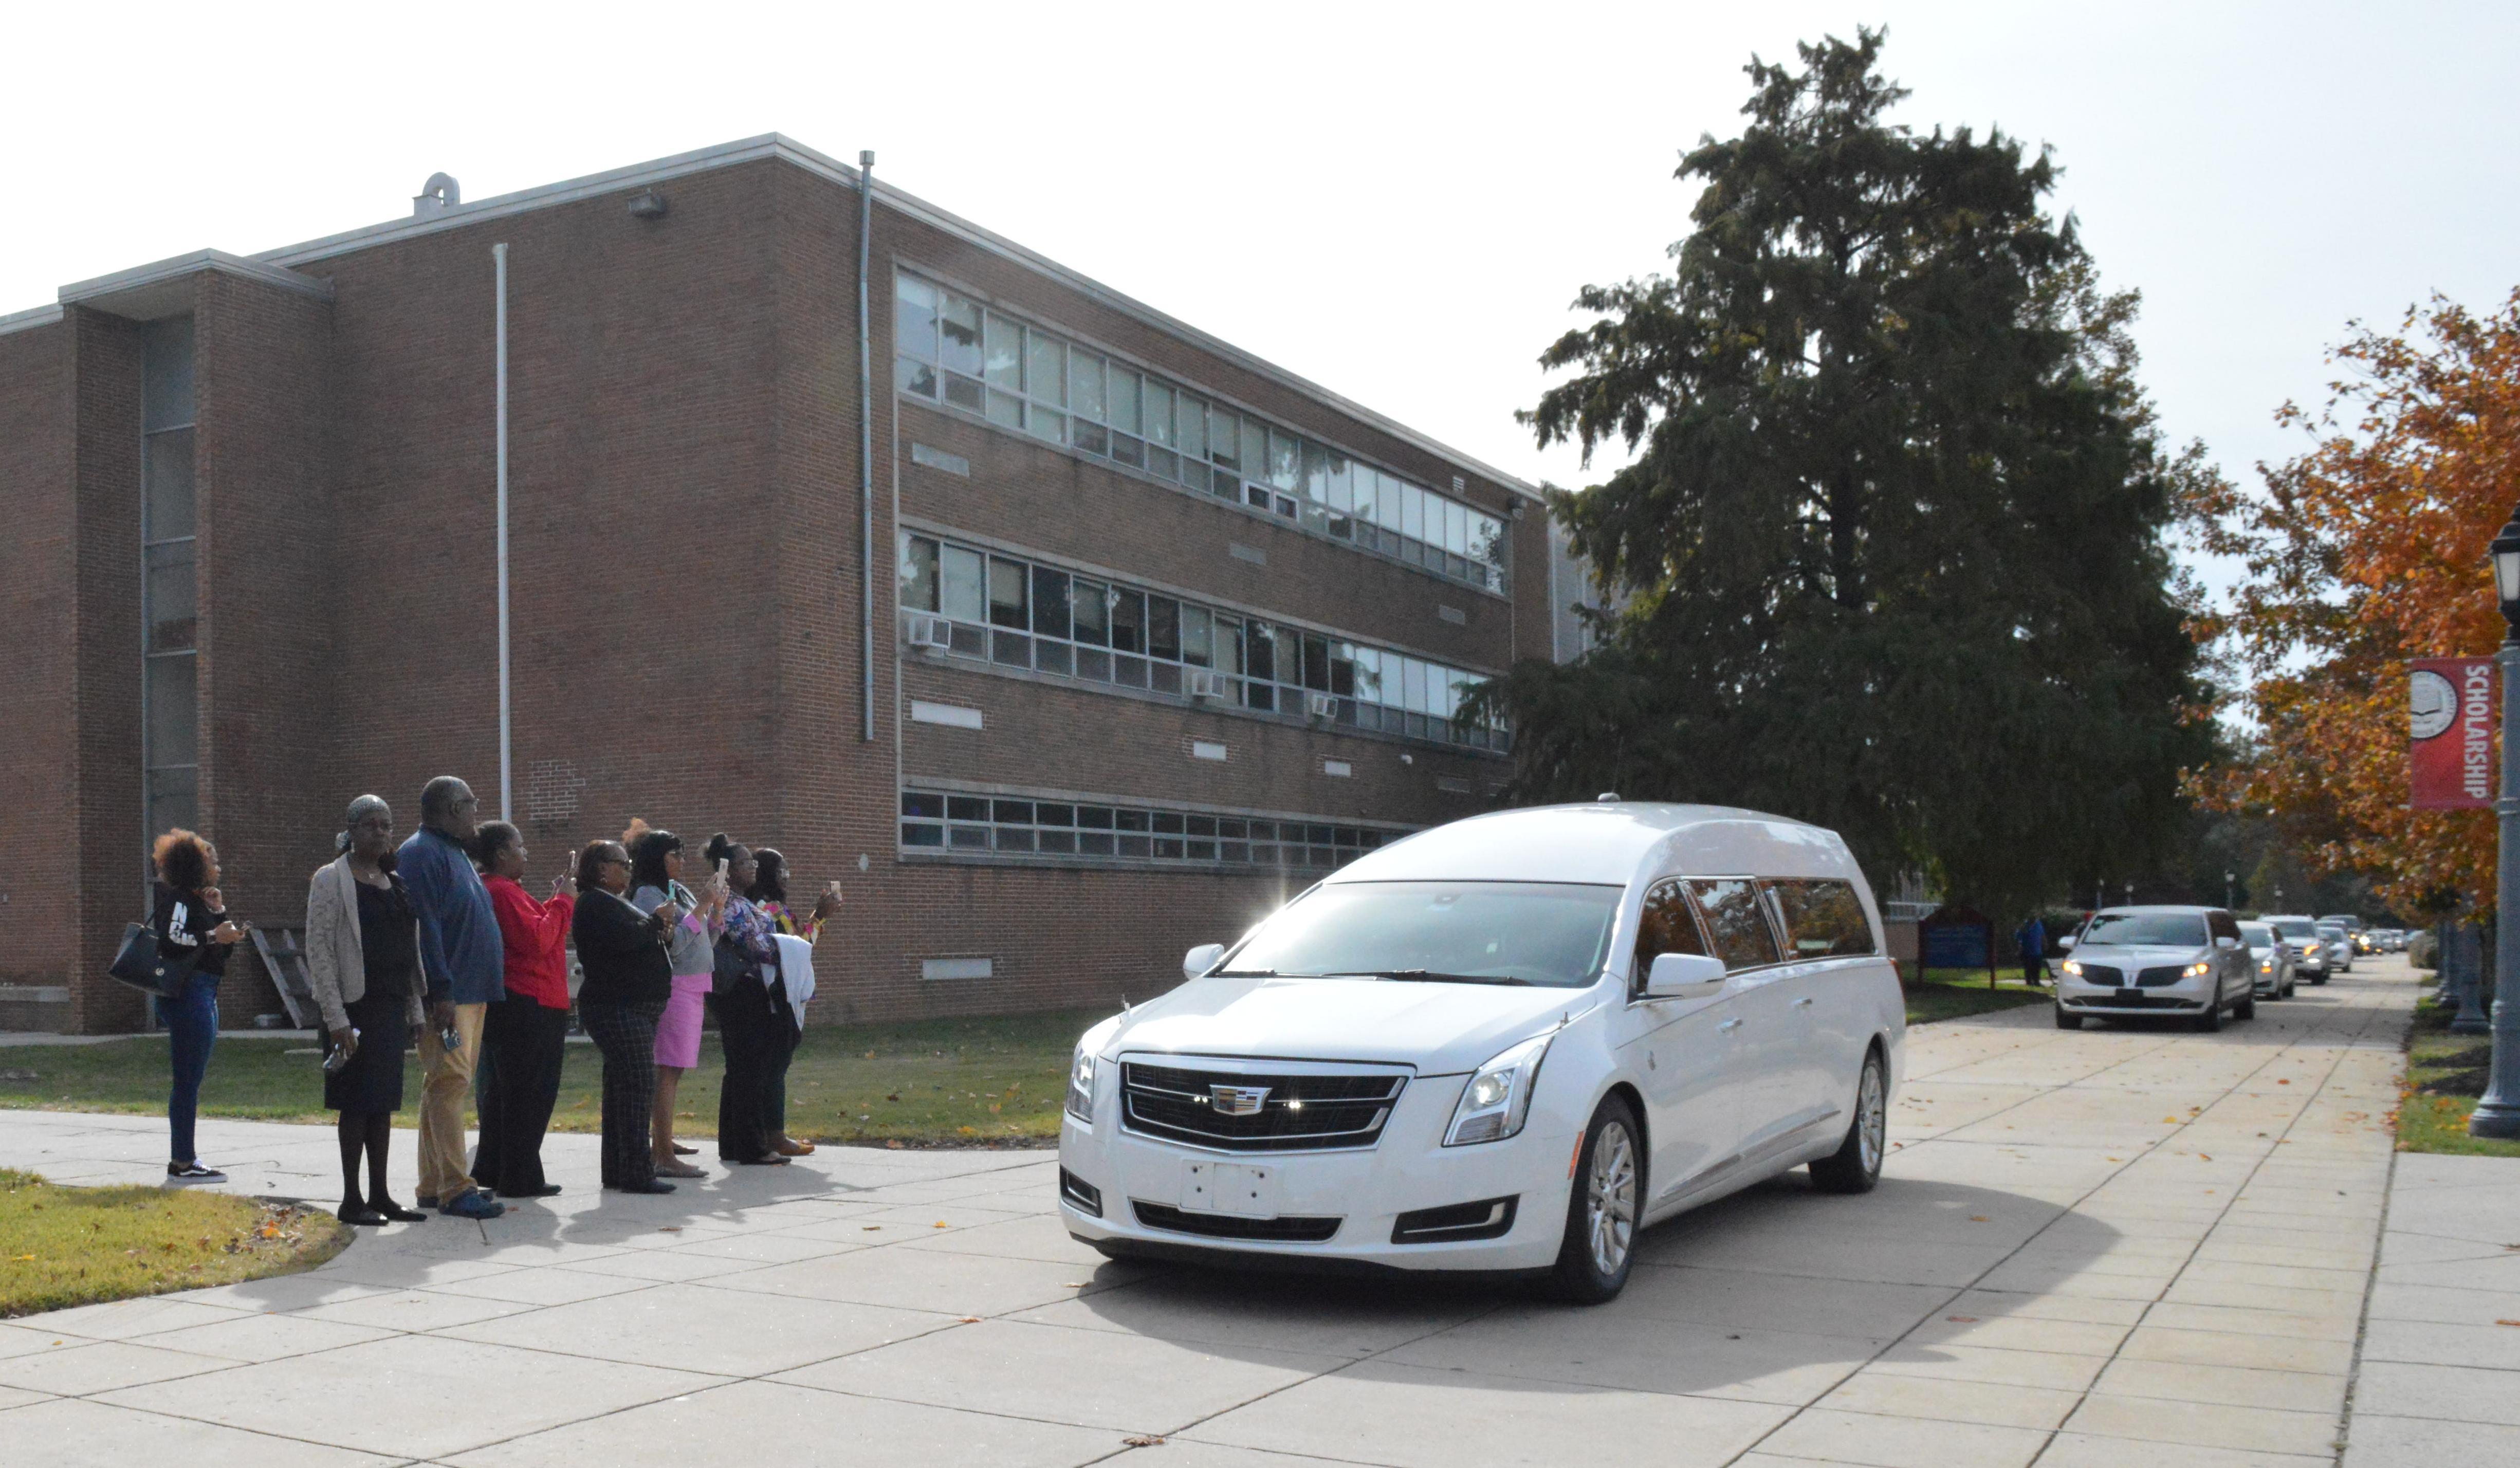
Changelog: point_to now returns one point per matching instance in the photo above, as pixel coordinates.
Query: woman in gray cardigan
(363, 963)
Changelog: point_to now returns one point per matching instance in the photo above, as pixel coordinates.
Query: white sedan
(1504, 1045)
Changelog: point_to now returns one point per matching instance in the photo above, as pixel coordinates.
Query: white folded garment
(796, 970)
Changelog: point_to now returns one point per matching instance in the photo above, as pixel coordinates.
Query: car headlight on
(2074, 969)
(1498, 1101)
(2196, 970)
(1080, 1087)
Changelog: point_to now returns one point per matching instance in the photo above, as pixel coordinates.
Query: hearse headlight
(1080, 1087)
(2074, 969)
(2196, 970)
(1498, 1101)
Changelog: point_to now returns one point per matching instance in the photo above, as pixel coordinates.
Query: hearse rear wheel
(1856, 1163)
(1602, 1208)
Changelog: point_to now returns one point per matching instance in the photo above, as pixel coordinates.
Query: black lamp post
(2498, 1115)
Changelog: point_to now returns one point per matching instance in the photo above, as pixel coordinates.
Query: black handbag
(729, 964)
(139, 964)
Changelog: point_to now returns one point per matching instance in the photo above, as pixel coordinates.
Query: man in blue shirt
(2030, 940)
(465, 964)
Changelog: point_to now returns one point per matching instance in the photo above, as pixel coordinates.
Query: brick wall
(39, 834)
(111, 854)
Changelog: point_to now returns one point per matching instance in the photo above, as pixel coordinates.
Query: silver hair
(358, 812)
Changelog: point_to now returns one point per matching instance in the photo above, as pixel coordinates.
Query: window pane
(962, 574)
(173, 797)
(1005, 409)
(1386, 501)
(1284, 461)
(1255, 450)
(1317, 664)
(1343, 669)
(1045, 368)
(1124, 400)
(1190, 420)
(1261, 649)
(958, 322)
(1457, 527)
(1412, 684)
(168, 473)
(1049, 602)
(1088, 602)
(1085, 386)
(1163, 628)
(1823, 919)
(923, 804)
(1735, 925)
(1129, 450)
(1413, 511)
(1368, 675)
(912, 376)
(1006, 593)
(1129, 622)
(1006, 354)
(962, 392)
(1228, 647)
(168, 596)
(1315, 464)
(1158, 413)
(173, 717)
(914, 317)
(1089, 435)
(1045, 423)
(918, 573)
(1224, 439)
(1197, 638)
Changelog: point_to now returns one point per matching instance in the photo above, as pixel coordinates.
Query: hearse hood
(1440, 1028)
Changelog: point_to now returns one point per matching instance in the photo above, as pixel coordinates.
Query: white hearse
(1503, 1044)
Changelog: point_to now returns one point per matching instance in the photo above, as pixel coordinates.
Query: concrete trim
(787, 150)
(34, 993)
(137, 284)
(29, 319)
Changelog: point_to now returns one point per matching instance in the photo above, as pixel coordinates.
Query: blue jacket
(2030, 940)
(459, 949)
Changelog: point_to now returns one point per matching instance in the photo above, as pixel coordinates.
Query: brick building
(1159, 632)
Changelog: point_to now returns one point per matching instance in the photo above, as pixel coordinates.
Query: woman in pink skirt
(656, 871)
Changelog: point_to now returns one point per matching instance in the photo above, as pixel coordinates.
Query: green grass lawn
(929, 1083)
(2445, 1074)
(947, 1082)
(65, 1246)
(1951, 992)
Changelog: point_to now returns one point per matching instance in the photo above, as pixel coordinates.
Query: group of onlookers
(437, 941)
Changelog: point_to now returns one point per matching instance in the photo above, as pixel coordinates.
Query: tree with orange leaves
(2363, 553)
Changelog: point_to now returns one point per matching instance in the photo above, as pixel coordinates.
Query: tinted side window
(1733, 922)
(1823, 919)
(2223, 925)
(1666, 925)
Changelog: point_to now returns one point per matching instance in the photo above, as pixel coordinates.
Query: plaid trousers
(626, 1033)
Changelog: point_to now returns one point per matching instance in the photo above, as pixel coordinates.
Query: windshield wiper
(1425, 976)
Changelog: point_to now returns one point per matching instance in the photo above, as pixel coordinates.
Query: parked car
(2274, 965)
(1507, 1044)
(2309, 950)
(2152, 962)
(2340, 947)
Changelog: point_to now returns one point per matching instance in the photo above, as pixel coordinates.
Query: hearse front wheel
(1856, 1164)
(1602, 1208)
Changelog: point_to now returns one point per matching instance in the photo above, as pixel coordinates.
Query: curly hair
(183, 860)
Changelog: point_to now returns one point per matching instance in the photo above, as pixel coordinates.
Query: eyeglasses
(612, 861)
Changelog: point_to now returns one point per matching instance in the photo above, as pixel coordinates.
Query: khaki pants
(446, 1080)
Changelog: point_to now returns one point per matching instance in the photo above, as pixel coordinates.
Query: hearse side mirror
(2227, 941)
(1201, 959)
(1683, 976)
(2065, 942)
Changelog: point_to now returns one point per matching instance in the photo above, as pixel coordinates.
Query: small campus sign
(2449, 723)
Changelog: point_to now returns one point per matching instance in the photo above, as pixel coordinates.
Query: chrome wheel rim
(1610, 1199)
(1872, 1116)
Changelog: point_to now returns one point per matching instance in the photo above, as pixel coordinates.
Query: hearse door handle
(1804, 1003)
(1730, 1024)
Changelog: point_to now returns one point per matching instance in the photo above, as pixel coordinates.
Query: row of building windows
(1023, 378)
(934, 821)
(1014, 613)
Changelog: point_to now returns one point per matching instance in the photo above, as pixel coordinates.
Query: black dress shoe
(652, 1186)
(546, 1190)
(397, 1213)
(362, 1215)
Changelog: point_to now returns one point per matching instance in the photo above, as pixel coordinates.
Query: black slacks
(626, 1033)
(523, 1044)
(774, 1089)
(747, 1028)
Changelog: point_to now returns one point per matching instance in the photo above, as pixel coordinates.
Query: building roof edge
(157, 272)
(30, 318)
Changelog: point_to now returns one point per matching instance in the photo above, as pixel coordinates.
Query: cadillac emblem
(1237, 1100)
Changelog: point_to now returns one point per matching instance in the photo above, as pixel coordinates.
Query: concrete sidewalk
(2440, 1376)
(2094, 1248)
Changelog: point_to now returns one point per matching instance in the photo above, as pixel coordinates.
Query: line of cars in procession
(1508, 1044)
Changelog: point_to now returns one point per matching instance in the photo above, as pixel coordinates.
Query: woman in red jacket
(523, 1036)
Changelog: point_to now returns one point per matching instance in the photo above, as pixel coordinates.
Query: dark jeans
(522, 1046)
(2033, 969)
(191, 1027)
(782, 1050)
(747, 1028)
(626, 1033)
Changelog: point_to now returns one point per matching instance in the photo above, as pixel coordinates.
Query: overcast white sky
(1395, 200)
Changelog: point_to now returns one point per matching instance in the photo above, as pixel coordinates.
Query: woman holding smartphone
(628, 981)
(655, 883)
(192, 924)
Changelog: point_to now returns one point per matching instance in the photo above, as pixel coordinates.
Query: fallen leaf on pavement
(970, 1320)
(1961, 1319)
(1143, 1442)
(940, 1223)
(1977, 1218)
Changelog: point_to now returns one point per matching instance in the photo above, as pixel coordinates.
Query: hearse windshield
(2144, 930)
(1551, 934)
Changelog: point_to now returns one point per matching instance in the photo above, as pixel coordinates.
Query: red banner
(2450, 719)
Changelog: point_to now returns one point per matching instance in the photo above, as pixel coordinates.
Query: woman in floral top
(754, 1016)
(767, 892)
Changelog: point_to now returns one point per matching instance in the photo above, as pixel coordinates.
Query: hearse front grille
(1294, 1113)
(1223, 1225)
(2161, 978)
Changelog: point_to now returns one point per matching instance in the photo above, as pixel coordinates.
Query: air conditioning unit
(1203, 683)
(930, 632)
(1321, 706)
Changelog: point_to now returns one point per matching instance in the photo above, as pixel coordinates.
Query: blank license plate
(1245, 1191)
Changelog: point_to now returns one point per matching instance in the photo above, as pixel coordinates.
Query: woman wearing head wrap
(363, 964)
